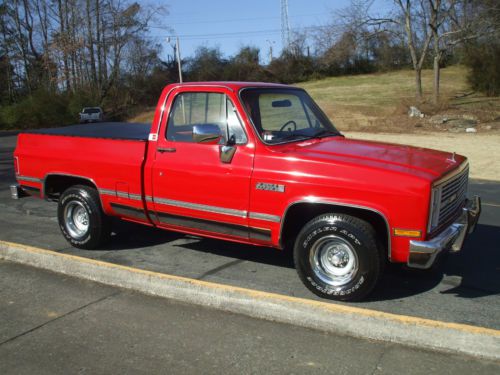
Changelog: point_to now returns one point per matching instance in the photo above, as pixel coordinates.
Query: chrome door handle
(166, 149)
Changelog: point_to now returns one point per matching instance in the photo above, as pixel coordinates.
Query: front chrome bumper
(423, 253)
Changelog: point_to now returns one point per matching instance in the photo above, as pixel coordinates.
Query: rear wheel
(81, 219)
(336, 257)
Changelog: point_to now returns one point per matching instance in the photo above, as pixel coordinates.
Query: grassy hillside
(379, 102)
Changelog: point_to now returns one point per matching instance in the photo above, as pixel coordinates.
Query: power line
(232, 34)
(232, 20)
(240, 33)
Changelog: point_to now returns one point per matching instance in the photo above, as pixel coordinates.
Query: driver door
(193, 188)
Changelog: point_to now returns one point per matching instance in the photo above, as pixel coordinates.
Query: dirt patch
(482, 150)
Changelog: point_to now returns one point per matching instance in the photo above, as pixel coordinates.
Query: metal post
(178, 53)
(271, 42)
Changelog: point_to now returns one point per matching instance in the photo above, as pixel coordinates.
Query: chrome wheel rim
(333, 260)
(76, 219)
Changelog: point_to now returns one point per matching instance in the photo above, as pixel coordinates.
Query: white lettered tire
(81, 219)
(336, 257)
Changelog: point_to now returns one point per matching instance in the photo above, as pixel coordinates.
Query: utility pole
(271, 42)
(177, 56)
(178, 50)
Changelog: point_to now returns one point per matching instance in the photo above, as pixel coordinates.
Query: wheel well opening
(300, 214)
(55, 185)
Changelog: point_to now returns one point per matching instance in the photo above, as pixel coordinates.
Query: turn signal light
(407, 233)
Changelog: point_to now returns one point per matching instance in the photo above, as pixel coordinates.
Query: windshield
(91, 110)
(285, 115)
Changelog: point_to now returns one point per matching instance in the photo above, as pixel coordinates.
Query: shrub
(484, 75)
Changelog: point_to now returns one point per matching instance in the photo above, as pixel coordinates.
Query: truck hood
(399, 158)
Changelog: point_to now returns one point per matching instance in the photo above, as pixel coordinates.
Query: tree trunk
(437, 73)
(418, 62)
(418, 84)
(90, 45)
(21, 40)
(41, 8)
(434, 25)
(63, 41)
(98, 42)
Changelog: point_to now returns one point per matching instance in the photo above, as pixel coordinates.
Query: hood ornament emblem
(452, 158)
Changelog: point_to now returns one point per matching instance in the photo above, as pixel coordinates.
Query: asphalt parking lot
(464, 289)
(90, 328)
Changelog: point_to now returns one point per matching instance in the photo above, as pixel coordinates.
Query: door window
(198, 108)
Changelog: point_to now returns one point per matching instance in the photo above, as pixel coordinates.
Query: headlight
(434, 208)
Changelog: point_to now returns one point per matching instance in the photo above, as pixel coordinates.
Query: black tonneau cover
(111, 130)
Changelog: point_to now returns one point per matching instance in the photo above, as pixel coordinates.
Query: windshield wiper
(319, 134)
(324, 133)
(295, 135)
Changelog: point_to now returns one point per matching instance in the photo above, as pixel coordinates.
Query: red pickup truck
(259, 164)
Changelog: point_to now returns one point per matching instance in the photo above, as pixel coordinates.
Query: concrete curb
(330, 317)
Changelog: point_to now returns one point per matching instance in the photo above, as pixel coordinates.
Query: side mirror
(207, 133)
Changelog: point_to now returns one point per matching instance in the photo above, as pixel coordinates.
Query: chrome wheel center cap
(82, 218)
(338, 258)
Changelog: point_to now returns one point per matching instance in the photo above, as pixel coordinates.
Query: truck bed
(108, 155)
(106, 130)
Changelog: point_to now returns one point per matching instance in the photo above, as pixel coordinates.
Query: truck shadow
(132, 236)
(472, 273)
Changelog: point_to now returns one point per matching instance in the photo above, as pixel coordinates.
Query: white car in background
(91, 114)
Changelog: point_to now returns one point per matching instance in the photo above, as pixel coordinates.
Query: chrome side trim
(340, 205)
(122, 194)
(265, 217)
(201, 207)
(107, 192)
(28, 178)
(135, 197)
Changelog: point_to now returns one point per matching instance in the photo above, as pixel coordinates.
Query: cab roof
(232, 85)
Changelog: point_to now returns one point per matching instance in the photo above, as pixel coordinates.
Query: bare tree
(417, 53)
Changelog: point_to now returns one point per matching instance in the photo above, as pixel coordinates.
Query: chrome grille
(453, 194)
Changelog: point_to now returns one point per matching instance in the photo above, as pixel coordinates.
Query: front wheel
(336, 257)
(81, 219)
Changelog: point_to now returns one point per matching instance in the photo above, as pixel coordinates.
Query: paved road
(465, 289)
(54, 324)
